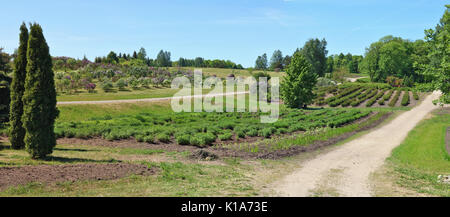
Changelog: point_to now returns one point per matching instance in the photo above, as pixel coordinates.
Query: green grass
(422, 156)
(319, 134)
(141, 93)
(174, 179)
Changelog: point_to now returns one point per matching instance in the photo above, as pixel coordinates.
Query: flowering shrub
(394, 81)
(90, 87)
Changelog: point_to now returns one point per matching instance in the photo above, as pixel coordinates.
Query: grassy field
(141, 93)
(177, 174)
(422, 156)
(151, 92)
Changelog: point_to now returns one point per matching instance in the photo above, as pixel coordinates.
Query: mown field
(424, 156)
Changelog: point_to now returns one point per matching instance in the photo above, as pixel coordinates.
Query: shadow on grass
(313, 108)
(78, 160)
(75, 149)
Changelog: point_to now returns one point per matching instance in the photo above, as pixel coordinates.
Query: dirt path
(345, 171)
(354, 79)
(147, 99)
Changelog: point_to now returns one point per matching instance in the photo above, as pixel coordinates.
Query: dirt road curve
(345, 171)
(145, 100)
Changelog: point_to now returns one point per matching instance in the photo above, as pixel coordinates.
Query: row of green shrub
(368, 94)
(386, 97)
(395, 98)
(346, 99)
(415, 95)
(375, 98)
(202, 129)
(405, 98)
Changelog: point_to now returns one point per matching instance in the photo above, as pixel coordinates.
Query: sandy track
(147, 99)
(345, 171)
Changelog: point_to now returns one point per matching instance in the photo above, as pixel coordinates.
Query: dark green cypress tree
(39, 98)
(17, 132)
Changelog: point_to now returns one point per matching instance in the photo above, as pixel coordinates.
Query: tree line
(163, 59)
(391, 59)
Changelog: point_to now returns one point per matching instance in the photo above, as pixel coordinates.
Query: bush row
(405, 98)
(375, 98)
(395, 98)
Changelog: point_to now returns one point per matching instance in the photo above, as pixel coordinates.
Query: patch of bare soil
(127, 143)
(50, 174)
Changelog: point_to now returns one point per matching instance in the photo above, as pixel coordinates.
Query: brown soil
(50, 174)
(127, 143)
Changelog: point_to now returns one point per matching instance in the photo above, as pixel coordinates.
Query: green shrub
(415, 95)
(240, 134)
(106, 85)
(163, 137)
(225, 136)
(202, 139)
(395, 98)
(405, 98)
(252, 132)
(227, 125)
(139, 138)
(183, 139)
(121, 84)
(149, 139)
(266, 132)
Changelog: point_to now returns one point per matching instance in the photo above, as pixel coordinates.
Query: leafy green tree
(297, 86)
(163, 59)
(353, 66)
(439, 55)
(112, 57)
(276, 61)
(261, 62)
(4, 61)
(330, 65)
(315, 51)
(142, 54)
(17, 131)
(39, 99)
(286, 61)
(390, 56)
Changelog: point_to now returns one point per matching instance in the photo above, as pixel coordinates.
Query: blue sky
(238, 30)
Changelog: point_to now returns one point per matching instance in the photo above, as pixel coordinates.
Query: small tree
(39, 98)
(17, 132)
(297, 85)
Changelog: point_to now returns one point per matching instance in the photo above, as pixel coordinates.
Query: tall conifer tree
(39, 98)
(17, 131)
